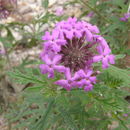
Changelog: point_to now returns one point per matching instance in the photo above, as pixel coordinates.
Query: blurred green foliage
(44, 106)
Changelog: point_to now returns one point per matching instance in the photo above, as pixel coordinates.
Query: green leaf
(40, 125)
(110, 28)
(117, 2)
(120, 73)
(34, 88)
(120, 56)
(25, 78)
(93, 2)
(68, 119)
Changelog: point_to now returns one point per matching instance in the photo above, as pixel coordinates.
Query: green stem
(9, 65)
(94, 10)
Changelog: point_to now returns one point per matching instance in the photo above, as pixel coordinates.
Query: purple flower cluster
(6, 7)
(71, 49)
(125, 17)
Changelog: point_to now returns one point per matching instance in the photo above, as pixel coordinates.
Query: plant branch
(94, 10)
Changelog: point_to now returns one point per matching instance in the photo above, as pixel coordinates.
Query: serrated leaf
(68, 119)
(40, 125)
(29, 77)
(120, 73)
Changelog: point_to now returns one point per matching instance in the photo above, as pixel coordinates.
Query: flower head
(6, 7)
(71, 49)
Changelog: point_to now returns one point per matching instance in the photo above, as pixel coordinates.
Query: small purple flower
(71, 49)
(125, 17)
(2, 52)
(59, 11)
(90, 14)
(125, 115)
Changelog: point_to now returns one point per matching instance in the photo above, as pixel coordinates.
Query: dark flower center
(76, 54)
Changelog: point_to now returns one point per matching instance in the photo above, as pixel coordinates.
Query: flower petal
(89, 36)
(56, 59)
(81, 74)
(89, 73)
(56, 47)
(88, 88)
(61, 42)
(105, 63)
(44, 68)
(60, 68)
(51, 73)
(111, 59)
(64, 84)
(69, 34)
(92, 79)
(68, 74)
(107, 51)
(100, 49)
(97, 58)
(47, 60)
(47, 36)
(81, 83)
